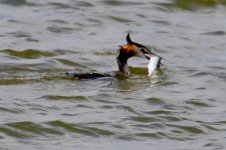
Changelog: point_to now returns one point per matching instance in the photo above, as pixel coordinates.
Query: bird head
(131, 49)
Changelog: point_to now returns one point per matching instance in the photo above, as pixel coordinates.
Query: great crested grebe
(123, 54)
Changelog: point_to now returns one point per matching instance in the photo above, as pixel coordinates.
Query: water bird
(130, 49)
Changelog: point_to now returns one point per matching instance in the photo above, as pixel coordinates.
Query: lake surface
(181, 107)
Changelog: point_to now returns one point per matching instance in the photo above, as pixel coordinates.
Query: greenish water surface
(182, 107)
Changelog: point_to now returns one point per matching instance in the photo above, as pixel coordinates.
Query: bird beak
(148, 54)
(152, 56)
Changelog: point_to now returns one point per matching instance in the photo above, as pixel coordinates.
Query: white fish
(153, 64)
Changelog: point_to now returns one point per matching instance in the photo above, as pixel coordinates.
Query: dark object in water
(87, 75)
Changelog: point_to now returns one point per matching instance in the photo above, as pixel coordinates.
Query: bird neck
(122, 62)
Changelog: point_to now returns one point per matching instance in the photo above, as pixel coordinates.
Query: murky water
(182, 107)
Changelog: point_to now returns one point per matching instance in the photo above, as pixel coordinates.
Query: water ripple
(20, 34)
(57, 29)
(189, 129)
(18, 3)
(199, 103)
(216, 33)
(12, 110)
(144, 119)
(61, 5)
(192, 5)
(29, 53)
(60, 97)
(71, 128)
(13, 133)
(157, 135)
(120, 19)
(33, 128)
(120, 3)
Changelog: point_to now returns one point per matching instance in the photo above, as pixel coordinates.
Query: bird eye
(142, 50)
